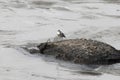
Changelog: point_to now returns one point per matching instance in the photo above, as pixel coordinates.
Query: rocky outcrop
(81, 51)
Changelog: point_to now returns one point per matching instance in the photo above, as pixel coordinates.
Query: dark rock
(31, 50)
(42, 47)
(81, 51)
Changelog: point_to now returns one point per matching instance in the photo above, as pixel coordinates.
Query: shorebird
(60, 34)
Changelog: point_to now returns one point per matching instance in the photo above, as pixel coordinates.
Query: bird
(60, 34)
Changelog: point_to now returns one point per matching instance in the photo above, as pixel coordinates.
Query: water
(29, 22)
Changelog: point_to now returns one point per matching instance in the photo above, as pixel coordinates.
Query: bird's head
(59, 31)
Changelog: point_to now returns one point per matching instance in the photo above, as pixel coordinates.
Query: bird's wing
(63, 35)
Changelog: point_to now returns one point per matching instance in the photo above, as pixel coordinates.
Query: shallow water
(30, 22)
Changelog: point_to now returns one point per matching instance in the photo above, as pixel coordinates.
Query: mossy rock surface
(81, 51)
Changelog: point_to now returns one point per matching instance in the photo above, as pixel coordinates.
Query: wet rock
(32, 50)
(81, 51)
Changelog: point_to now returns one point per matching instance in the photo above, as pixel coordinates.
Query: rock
(81, 51)
(32, 50)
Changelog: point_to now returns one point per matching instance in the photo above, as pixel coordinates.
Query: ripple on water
(42, 4)
(7, 32)
(61, 8)
(17, 4)
(110, 16)
(112, 1)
